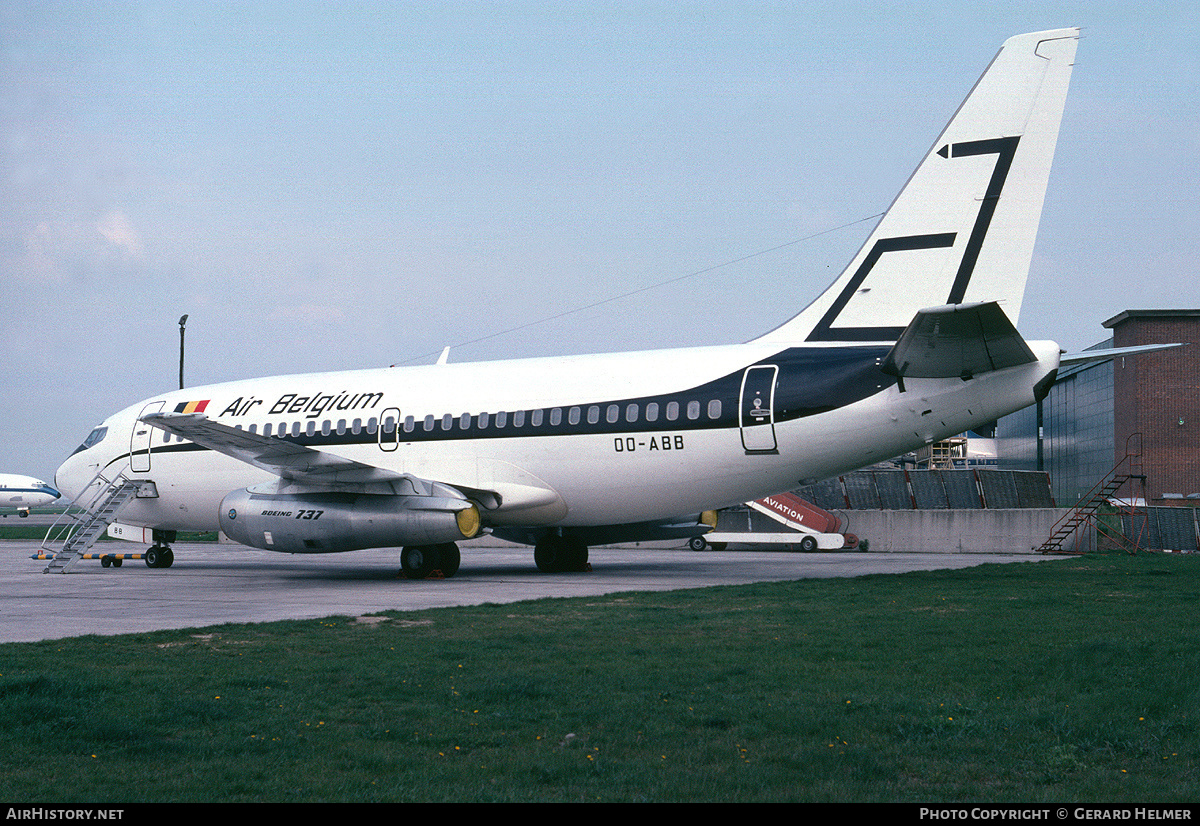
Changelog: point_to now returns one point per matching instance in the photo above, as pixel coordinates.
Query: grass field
(1070, 680)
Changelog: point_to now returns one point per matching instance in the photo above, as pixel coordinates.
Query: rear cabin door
(756, 414)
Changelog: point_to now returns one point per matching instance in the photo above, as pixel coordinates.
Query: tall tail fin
(963, 228)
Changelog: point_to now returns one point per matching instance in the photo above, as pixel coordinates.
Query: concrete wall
(953, 531)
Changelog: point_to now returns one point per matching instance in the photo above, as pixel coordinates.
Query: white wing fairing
(913, 342)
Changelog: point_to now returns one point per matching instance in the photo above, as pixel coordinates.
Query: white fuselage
(575, 441)
(21, 493)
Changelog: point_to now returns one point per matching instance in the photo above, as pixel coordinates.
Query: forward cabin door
(756, 413)
(139, 440)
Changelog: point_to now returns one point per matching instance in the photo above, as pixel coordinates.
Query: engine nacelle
(330, 522)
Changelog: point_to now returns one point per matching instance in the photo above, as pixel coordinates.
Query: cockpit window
(94, 438)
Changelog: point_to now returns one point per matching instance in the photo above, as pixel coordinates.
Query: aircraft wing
(957, 340)
(284, 458)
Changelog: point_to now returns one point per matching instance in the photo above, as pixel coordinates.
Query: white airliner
(24, 492)
(912, 343)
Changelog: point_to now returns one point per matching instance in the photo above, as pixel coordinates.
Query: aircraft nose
(70, 477)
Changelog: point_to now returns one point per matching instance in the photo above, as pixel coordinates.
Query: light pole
(182, 321)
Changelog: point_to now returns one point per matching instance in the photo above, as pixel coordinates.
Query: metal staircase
(1128, 472)
(78, 531)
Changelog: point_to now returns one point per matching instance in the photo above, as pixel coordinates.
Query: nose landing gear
(159, 556)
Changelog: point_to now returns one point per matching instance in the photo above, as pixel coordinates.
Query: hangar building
(1145, 405)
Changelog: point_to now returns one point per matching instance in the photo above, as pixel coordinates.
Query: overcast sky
(326, 186)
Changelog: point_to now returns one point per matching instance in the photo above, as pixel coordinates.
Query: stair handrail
(1090, 502)
(61, 528)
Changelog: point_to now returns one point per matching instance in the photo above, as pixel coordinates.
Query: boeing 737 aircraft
(912, 343)
(24, 492)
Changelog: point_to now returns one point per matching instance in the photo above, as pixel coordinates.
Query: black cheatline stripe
(811, 381)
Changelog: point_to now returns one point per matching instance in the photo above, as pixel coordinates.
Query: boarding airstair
(83, 523)
(1127, 473)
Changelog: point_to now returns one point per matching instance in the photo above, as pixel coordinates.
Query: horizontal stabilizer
(958, 340)
(1103, 355)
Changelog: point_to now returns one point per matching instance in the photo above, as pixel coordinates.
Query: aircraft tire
(449, 559)
(546, 555)
(576, 556)
(158, 556)
(419, 561)
(560, 554)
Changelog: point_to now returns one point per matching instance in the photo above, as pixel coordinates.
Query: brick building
(1096, 412)
(1158, 396)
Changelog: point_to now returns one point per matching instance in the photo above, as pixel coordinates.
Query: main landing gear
(419, 561)
(559, 554)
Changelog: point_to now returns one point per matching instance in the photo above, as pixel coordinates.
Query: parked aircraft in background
(21, 493)
(913, 342)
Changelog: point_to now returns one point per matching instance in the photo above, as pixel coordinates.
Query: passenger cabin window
(693, 410)
(631, 413)
(714, 409)
(652, 412)
(672, 411)
(556, 416)
(501, 419)
(573, 416)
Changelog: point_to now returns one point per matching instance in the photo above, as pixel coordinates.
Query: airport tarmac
(212, 584)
